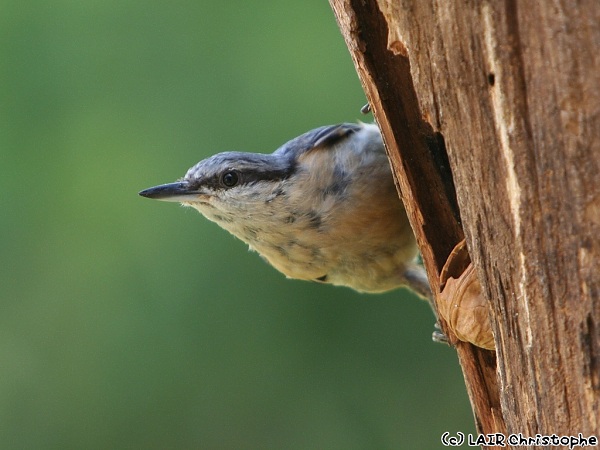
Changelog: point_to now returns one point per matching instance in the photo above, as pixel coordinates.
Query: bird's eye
(230, 178)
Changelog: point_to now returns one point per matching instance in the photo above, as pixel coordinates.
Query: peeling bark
(491, 115)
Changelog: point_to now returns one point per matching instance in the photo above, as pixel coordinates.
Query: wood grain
(491, 115)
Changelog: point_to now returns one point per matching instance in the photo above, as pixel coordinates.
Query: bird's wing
(322, 137)
(330, 135)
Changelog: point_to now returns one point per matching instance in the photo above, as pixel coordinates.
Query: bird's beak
(172, 192)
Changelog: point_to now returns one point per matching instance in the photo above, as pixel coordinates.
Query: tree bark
(491, 116)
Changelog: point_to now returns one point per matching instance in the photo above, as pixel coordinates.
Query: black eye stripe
(250, 168)
(250, 176)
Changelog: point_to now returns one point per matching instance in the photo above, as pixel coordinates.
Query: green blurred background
(128, 323)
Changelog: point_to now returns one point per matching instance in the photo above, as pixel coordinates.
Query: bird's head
(228, 186)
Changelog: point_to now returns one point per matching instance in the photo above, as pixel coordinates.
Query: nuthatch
(322, 207)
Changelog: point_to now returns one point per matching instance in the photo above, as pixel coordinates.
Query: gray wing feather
(319, 137)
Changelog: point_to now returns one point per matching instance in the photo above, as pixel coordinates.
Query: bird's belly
(367, 268)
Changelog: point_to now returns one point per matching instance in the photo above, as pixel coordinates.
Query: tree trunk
(490, 112)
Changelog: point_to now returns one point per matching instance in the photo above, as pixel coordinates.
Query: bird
(322, 207)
